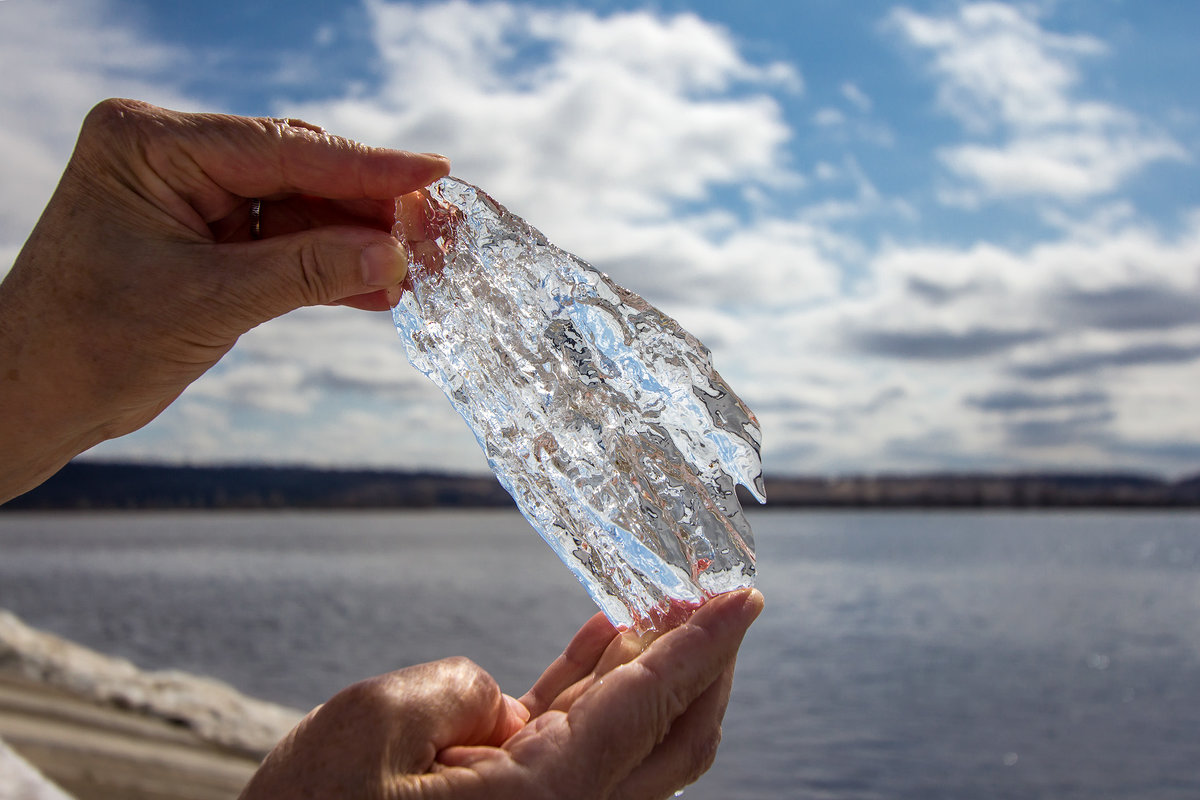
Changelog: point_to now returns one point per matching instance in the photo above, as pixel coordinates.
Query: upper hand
(141, 272)
(607, 721)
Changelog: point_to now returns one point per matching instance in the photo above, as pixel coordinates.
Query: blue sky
(929, 235)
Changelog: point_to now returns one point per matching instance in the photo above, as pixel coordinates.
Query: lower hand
(607, 721)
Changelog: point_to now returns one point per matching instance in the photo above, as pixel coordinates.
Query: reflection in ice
(600, 415)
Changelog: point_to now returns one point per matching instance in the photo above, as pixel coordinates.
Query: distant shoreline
(95, 485)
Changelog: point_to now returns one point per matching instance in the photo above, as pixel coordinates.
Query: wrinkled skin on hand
(611, 719)
(141, 273)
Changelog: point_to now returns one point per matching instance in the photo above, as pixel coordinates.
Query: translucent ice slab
(601, 416)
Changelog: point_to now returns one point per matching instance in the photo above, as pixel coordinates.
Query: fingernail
(748, 602)
(516, 708)
(754, 603)
(393, 295)
(437, 155)
(383, 265)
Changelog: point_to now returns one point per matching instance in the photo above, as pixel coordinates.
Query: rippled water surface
(901, 655)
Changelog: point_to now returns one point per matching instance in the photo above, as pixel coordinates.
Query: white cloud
(654, 147)
(996, 65)
(1009, 80)
(856, 96)
(647, 112)
(1071, 166)
(325, 36)
(60, 59)
(601, 130)
(828, 117)
(644, 111)
(1062, 353)
(836, 124)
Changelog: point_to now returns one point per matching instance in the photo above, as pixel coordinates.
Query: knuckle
(368, 693)
(673, 697)
(271, 126)
(118, 130)
(114, 121)
(674, 702)
(114, 110)
(704, 753)
(313, 283)
(371, 705)
(470, 676)
(461, 664)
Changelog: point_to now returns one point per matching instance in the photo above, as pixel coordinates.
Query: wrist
(44, 419)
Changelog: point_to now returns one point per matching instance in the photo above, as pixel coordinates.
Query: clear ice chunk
(600, 415)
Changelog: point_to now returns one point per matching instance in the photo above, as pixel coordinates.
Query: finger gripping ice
(600, 415)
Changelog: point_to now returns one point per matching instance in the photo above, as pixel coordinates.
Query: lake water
(901, 655)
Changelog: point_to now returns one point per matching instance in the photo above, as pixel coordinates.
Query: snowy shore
(99, 727)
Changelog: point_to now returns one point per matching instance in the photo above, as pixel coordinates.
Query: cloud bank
(658, 148)
(1004, 76)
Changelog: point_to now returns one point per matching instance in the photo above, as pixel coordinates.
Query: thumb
(375, 735)
(274, 276)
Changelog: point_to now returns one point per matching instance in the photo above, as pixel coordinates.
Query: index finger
(260, 157)
(627, 714)
(255, 157)
(577, 661)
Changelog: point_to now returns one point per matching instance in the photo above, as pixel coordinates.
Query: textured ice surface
(601, 416)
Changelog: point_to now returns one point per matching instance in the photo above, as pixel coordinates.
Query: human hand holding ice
(610, 718)
(599, 414)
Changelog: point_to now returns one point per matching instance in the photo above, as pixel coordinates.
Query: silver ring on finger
(255, 218)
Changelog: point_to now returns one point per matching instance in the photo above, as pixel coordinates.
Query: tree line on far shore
(91, 485)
